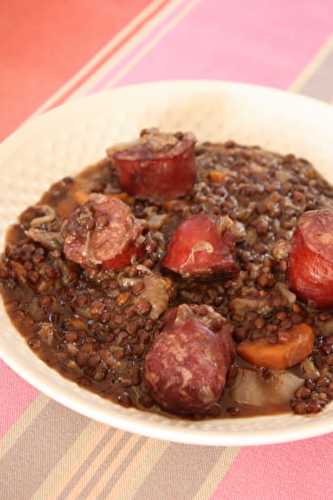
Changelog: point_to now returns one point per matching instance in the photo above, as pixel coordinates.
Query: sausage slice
(310, 264)
(158, 166)
(102, 231)
(198, 248)
(187, 365)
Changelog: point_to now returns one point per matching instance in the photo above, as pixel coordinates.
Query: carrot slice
(293, 346)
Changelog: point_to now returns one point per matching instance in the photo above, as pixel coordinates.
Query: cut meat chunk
(124, 258)
(198, 248)
(158, 166)
(310, 266)
(102, 231)
(187, 365)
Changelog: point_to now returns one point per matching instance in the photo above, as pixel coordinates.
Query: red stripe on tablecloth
(107, 56)
(44, 43)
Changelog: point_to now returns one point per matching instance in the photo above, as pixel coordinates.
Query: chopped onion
(242, 306)
(280, 249)
(157, 293)
(156, 221)
(251, 388)
(309, 369)
(48, 216)
(46, 333)
(238, 230)
(223, 223)
(48, 239)
(286, 293)
(125, 282)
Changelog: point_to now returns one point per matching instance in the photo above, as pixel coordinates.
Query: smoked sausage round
(187, 365)
(158, 166)
(310, 263)
(102, 231)
(197, 248)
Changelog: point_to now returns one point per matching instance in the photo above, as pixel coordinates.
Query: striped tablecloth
(51, 51)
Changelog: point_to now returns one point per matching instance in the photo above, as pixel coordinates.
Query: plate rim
(161, 431)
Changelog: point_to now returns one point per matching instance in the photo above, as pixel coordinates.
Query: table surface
(54, 51)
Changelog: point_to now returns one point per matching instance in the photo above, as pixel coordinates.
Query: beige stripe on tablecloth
(140, 471)
(112, 467)
(37, 450)
(312, 71)
(25, 420)
(217, 474)
(113, 440)
(320, 84)
(125, 486)
(179, 473)
(72, 460)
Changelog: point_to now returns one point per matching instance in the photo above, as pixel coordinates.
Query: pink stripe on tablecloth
(301, 470)
(21, 394)
(113, 72)
(219, 40)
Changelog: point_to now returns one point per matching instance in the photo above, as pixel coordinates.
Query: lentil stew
(177, 277)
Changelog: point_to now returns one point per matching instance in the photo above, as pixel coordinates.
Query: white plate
(65, 140)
